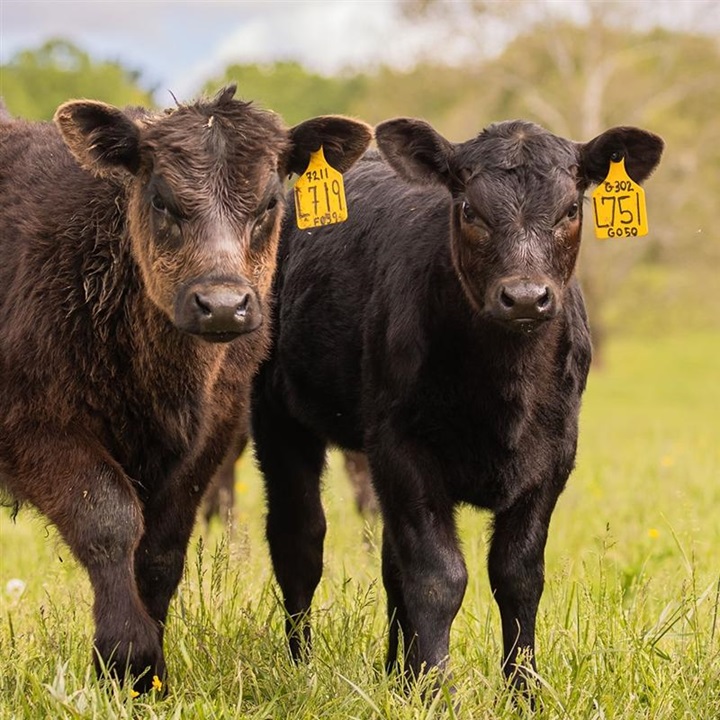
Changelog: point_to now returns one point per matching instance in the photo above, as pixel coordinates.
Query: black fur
(392, 336)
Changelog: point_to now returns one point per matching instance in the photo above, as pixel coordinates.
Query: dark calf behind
(442, 331)
(134, 246)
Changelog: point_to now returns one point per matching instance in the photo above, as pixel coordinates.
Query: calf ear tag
(619, 205)
(319, 194)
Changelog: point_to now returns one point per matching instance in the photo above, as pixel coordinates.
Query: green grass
(629, 625)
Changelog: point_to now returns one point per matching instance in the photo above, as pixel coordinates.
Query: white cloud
(328, 37)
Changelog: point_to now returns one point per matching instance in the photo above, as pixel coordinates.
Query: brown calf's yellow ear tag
(619, 205)
(319, 194)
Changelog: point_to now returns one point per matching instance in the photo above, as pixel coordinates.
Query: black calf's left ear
(343, 141)
(101, 137)
(640, 149)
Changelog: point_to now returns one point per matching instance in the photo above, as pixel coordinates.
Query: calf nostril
(204, 304)
(242, 307)
(506, 300)
(544, 300)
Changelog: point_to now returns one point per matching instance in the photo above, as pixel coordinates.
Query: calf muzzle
(523, 302)
(218, 312)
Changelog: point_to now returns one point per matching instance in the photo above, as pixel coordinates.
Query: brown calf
(133, 247)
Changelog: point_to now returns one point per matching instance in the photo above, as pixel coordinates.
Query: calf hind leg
(397, 612)
(292, 459)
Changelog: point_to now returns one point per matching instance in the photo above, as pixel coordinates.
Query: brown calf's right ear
(640, 149)
(101, 137)
(343, 141)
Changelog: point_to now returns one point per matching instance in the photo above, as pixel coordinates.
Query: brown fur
(115, 409)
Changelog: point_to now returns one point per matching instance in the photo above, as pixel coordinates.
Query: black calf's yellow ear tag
(619, 205)
(319, 194)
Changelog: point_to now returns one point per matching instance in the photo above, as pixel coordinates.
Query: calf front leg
(170, 511)
(423, 569)
(516, 569)
(94, 506)
(292, 459)
(160, 556)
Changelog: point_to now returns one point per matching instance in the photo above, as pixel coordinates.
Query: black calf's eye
(271, 204)
(467, 212)
(573, 210)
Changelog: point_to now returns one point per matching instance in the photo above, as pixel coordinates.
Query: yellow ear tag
(619, 205)
(319, 194)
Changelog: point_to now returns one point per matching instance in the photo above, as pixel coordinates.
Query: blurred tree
(290, 90)
(579, 79)
(36, 81)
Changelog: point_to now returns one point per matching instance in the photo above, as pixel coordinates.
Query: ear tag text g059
(619, 205)
(319, 194)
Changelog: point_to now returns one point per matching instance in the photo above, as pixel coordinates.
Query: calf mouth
(524, 326)
(226, 336)
(219, 337)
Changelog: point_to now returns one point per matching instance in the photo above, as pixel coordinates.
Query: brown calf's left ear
(343, 141)
(640, 149)
(101, 137)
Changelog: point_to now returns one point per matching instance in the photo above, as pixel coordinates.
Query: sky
(177, 45)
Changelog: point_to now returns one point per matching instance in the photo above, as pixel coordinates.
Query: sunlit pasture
(628, 627)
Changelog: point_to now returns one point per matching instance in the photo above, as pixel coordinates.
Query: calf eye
(273, 202)
(467, 212)
(573, 210)
(158, 204)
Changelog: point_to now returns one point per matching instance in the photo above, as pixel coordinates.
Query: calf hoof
(139, 661)
(524, 688)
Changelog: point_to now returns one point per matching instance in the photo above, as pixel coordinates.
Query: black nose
(218, 312)
(525, 300)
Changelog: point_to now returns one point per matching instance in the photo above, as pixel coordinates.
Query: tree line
(574, 79)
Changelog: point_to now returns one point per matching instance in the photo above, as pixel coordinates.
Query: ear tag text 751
(319, 194)
(619, 205)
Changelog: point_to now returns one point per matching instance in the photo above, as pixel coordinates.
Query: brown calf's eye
(573, 210)
(158, 204)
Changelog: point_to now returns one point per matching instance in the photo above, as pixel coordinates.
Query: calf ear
(343, 141)
(640, 149)
(101, 138)
(416, 151)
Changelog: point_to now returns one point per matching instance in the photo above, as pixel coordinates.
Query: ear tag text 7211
(319, 194)
(619, 205)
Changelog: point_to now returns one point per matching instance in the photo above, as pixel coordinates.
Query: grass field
(629, 625)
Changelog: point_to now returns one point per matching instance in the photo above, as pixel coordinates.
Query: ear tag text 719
(619, 205)
(319, 194)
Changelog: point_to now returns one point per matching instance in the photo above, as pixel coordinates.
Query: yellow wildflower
(653, 533)
(134, 693)
(156, 683)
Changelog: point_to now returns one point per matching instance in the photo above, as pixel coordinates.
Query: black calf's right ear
(343, 141)
(416, 151)
(101, 137)
(640, 149)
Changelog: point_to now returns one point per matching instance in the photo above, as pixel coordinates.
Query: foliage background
(575, 79)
